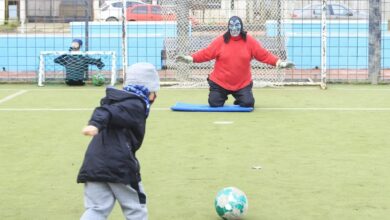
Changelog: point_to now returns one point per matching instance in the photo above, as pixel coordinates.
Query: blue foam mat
(206, 108)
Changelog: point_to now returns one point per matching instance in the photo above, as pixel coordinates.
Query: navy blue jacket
(110, 156)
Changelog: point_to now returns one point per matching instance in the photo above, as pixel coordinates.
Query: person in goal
(76, 65)
(233, 52)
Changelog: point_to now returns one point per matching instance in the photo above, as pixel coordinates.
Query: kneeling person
(233, 53)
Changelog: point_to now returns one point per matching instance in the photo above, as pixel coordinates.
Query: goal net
(56, 66)
(199, 22)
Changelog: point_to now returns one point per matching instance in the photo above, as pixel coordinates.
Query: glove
(285, 64)
(100, 64)
(185, 59)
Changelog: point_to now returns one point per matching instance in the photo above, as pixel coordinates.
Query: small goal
(55, 66)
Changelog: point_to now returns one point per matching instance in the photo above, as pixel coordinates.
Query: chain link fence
(158, 30)
(200, 22)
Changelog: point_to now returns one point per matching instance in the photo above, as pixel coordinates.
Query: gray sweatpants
(99, 200)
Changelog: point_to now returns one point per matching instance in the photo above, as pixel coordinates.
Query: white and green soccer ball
(231, 203)
(98, 79)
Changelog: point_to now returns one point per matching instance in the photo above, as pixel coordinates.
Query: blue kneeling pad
(206, 108)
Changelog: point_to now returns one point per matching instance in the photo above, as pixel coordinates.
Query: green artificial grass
(324, 154)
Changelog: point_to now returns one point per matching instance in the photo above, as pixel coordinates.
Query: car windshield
(317, 9)
(130, 3)
(156, 10)
(118, 4)
(339, 10)
(104, 7)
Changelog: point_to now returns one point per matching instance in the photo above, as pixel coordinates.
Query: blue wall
(145, 42)
(347, 43)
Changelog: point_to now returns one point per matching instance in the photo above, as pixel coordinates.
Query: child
(110, 170)
(76, 65)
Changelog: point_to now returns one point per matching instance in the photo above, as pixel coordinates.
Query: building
(12, 10)
(207, 11)
(47, 10)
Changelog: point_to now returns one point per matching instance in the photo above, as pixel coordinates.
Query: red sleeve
(260, 53)
(208, 53)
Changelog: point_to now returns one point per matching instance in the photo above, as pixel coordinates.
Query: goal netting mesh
(199, 22)
(56, 66)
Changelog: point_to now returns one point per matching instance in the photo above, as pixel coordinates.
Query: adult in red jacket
(233, 53)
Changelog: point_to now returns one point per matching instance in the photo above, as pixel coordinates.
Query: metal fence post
(183, 29)
(86, 25)
(324, 44)
(375, 37)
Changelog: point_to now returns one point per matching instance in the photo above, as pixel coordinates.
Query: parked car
(152, 13)
(334, 11)
(111, 10)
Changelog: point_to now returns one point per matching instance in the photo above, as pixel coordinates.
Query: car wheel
(112, 19)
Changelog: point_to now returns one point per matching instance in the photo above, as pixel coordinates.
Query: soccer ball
(98, 79)
(231, 203)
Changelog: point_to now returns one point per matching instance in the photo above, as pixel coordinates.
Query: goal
(55, 66)
(199, 22)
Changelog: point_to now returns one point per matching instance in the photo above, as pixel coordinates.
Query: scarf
(142, 92)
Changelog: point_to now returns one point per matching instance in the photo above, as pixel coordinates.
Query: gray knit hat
(144, 74)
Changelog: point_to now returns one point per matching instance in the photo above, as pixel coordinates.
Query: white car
(111, 10)
(333, 11)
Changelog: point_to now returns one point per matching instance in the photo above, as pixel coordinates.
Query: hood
(116, 95)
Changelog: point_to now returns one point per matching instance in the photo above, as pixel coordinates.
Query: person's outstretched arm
(61, 59)
(93, 61)
(263, 55)
(204, 55)
(260, 53)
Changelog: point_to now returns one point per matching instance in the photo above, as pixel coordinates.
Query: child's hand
(100, 64)
(90, 130)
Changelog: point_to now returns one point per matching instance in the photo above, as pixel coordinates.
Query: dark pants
(218, 95)
(71, 82)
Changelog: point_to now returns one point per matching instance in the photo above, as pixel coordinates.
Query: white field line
(168, 88)
(7, 98)
(223, 122)
(168, 109)
(60, 109)
(70, 89)
(322, 109)
(45, 109)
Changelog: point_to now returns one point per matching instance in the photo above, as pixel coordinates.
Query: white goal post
(46, 64)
